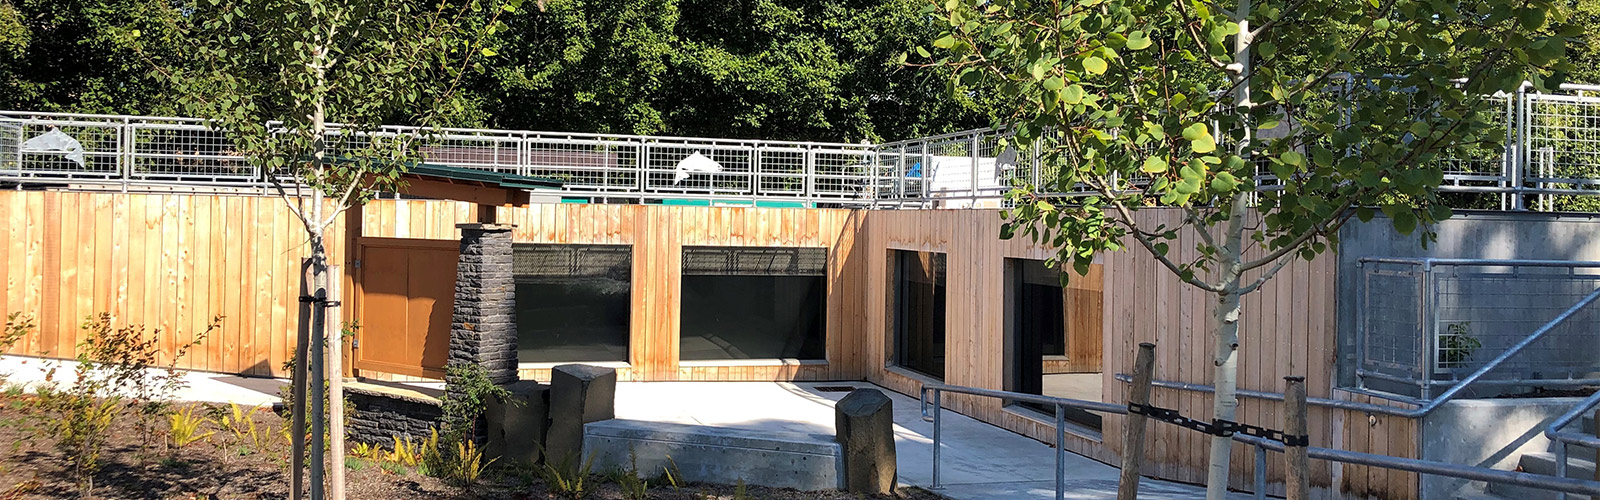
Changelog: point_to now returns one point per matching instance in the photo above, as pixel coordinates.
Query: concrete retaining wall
(1485, 433)
(808, 462)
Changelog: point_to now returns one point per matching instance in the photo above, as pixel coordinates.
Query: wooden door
(407, 299)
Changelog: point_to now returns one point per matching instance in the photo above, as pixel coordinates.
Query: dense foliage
(776, 69)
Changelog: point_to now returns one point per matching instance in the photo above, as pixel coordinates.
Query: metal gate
(407, 297)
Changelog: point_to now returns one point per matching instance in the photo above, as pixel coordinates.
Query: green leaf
(1072, 94)
(1293, 158)
(1154, 165)
(1195, 131)
(1054, 83)
(944, 42)
(1137, 40)
(1094, 65)
(923, 52)
(1203, 145)
(488, 52)
(1224, 182)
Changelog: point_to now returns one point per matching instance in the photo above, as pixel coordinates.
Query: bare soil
(220, 467)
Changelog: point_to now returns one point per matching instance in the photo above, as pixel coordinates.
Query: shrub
(567, 478)
(127, 358)
(187, 426)
(466, 465)
(464, 404)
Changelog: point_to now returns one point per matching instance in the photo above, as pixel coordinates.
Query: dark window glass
(572, 302)
(1038, 314)
(919, 312)
(753, 303)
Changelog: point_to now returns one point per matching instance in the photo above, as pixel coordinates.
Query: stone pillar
(483, 330)
(579, 394)
(864, 423)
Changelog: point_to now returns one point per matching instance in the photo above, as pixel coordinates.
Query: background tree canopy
(770, 69)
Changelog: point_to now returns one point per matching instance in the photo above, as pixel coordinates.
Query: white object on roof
(695, 162)
(55, 140)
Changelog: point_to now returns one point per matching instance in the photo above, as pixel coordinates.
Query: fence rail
(1552, 153)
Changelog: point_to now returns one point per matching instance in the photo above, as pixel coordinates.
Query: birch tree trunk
(1225, 322)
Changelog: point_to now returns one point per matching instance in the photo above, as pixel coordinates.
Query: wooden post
(297, 428)
(317, 393)
(335, 347)
(1297, 483)
(1134, 425)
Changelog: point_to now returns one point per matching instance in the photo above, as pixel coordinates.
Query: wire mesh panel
(68, 148)
(1390, 346)
(10, 146)
(185, 151)
(582, 164)
(1481, 311)
(1427, 324)
(728, 171)
(842, 174)
(782, 172)
(1563, 140)
(498, 152)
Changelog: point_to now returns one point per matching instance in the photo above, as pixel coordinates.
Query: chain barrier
(1217, 427)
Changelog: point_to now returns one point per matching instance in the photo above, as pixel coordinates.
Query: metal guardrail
(1060, 404)
(1552, 151)
(1559, 484)
(1426, 324)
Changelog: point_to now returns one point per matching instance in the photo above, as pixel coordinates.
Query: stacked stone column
(483, 330)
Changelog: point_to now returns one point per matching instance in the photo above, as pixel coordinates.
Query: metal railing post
(1261, 473)
(1561, 465)
(938, 409)
(1061, 459)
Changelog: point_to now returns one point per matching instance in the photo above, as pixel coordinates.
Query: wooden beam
(475, 193)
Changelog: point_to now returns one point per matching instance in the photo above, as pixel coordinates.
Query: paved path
(201, 386)
(981, 461)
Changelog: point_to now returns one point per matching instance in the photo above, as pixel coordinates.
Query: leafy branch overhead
(1343, 107)
(275, 75)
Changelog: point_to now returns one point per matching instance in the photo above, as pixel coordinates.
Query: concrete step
(1477, 494)
(1542, 463)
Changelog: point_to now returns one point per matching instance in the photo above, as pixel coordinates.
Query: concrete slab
(201, 386)
(699, 453)
(980, 461)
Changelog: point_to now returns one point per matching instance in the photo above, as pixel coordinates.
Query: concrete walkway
(981, 461)
(200, 386)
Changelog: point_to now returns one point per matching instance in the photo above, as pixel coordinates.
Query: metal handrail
(1060, 404)
(1563, 485)
(1425, 408)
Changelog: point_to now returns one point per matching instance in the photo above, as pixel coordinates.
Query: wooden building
(173, 261)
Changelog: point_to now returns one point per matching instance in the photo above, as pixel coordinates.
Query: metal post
(1519, 154)
(1133, 426)
(1561, 464)
(1261, 473)
(938, 409)
(975, 142)
(1061, 462)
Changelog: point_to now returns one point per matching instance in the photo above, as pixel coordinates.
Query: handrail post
(1561, 464)
(938, 409)
(1133, 426)
(1061, 462)
(1261, 472)
(1297, 484)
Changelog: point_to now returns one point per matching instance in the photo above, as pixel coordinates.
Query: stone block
(864, 423)
(579, 394)
(699, 453)
(516, 428)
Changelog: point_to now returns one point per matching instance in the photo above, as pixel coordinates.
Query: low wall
(384, 412)
(808, 462)
(1485, 433)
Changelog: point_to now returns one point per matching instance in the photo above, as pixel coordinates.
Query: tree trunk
(1225, 322)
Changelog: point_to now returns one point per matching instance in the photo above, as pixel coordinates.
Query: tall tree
(302, 89)
(768, 69)
(1340, 106)
(82, 56)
